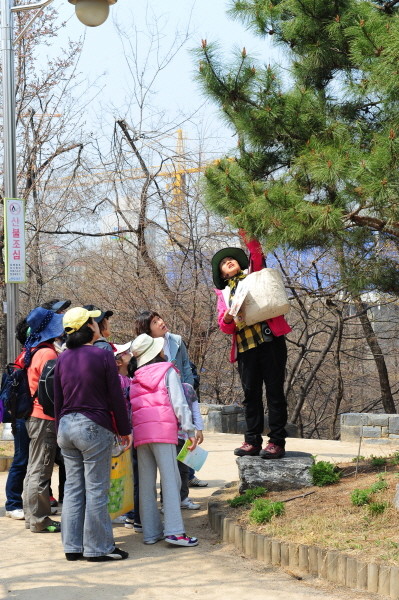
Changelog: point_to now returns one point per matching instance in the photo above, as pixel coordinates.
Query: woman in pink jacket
(158, 404)
(260, 351)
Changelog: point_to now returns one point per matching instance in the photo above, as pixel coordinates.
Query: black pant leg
(251, 376)
(273, 359)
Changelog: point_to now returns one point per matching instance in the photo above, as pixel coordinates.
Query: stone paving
(33, 566)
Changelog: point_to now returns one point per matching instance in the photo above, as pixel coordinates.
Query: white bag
(266, 296)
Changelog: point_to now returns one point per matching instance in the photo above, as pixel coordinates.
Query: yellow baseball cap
(76, 317)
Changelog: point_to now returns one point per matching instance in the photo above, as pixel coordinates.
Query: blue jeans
(17, 472)
(86, 448)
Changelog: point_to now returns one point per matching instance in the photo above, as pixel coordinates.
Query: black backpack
(45, 390)
(15, 394)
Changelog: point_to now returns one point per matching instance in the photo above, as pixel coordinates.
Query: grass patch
(247, 497)
(327, 519)
(360, 497)
(264, 510)
(377, 508)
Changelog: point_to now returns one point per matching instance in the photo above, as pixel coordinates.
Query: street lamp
(92, 12)
(89, 12)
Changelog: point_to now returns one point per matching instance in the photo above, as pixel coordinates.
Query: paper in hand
(194, 459)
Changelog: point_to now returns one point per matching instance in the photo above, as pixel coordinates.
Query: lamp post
(91, 13)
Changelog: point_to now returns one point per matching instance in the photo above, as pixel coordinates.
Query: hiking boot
(115, 554)
(195, 482)
(181, 540)
(247, 450)
(272, 451)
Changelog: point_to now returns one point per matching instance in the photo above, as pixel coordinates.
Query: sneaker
(131, 524)
(272, 451)
(53, 501)
(116, 554)
(54, 510)
(17, 513)
(247, 450)
(181, 540)
(155, 540)
(54, 527)
(195, 482)
(189, 504)
(119, 520)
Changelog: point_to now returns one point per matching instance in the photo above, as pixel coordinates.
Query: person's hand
(127, 441)
(199, 437)
(227, 318)
(193, 444)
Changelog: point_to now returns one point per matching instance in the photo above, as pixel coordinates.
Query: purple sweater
(86, 381)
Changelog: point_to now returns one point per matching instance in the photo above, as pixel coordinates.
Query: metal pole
(10, 161)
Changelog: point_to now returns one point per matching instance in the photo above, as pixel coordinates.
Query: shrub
(264, 510)
(378, 461)
(377, 508)
(324, 473)
(360, 497)
(247, 497)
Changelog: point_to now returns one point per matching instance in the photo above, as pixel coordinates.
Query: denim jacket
(179, 357)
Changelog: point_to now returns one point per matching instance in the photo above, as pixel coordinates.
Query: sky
(174, 93)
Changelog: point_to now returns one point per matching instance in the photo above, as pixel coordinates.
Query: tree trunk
(375, 349)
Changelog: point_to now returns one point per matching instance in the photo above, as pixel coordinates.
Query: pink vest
(153, 417)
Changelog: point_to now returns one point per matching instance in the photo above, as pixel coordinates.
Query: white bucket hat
(145, 348)
(120, 348)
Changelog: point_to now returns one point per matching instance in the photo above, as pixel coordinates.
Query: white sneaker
(119, 520)
(189, 504)
(18, 513)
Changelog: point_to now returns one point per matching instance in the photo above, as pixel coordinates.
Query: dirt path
(34, 567)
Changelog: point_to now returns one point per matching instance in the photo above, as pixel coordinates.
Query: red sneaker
(247, 450)
(272, 451)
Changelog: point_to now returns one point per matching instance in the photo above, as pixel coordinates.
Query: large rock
(289, 473)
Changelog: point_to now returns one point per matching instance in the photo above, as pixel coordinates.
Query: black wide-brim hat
(237, 253)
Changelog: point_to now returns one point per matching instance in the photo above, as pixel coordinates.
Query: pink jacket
(278, 325)
(153, 417)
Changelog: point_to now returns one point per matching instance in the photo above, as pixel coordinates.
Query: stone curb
(332, 565)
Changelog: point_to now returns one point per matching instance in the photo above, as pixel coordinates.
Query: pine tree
(318, 150)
